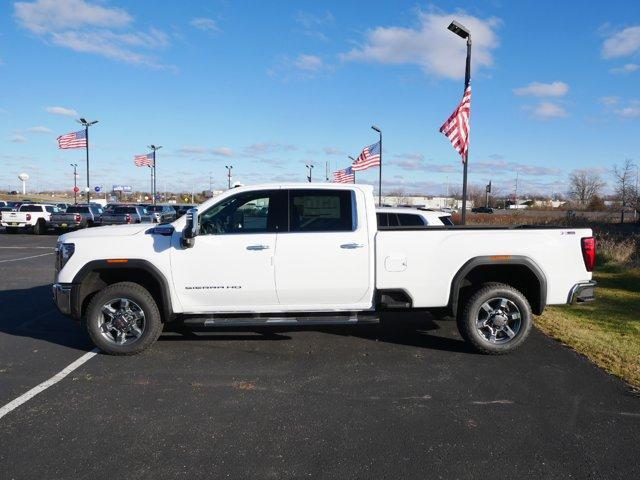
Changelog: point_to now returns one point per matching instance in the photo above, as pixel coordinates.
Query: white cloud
(626, 68)
(631, 110)
(18, 138)
(548, 110)
(38, 129)
(312, 24)
(430, 45)
(609, 101)
(65, 112)
(89, 28)
(311, 63)
(538, 89)
(266, 148)
(623, 43)
(205, 24)
(333, 151)
(196, 150)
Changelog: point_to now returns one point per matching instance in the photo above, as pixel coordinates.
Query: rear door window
(321, 211)
(31, 208)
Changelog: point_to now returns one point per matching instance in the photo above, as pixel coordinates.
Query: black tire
(40, 227)
(470, 311)
(153, 322)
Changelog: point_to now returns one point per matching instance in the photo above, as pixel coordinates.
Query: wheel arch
(519, 271)
(97, 274)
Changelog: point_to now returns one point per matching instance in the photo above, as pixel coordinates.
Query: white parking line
(28, 248)
(48, 383)
(26, 258)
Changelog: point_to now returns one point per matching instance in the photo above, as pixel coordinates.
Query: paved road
(407, 400)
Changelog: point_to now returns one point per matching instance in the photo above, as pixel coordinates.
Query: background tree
(625, 178)
(584, 185)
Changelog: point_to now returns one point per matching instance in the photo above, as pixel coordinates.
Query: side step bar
(281, 319)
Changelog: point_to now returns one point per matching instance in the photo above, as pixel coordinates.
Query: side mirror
(191, 228)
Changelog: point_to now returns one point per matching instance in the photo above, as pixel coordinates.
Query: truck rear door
(324, 260)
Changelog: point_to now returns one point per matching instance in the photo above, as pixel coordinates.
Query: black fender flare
(497, 260)
(125, 263)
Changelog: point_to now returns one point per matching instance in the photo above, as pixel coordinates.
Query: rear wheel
(123, 319)
(495, 319)
(40, 227)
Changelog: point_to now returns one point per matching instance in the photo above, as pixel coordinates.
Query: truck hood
(106, 231)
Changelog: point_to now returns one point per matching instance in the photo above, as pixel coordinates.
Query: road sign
(122, 188)
(97, 189)
(76, 189)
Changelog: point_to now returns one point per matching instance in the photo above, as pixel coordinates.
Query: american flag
(144, 159)
(456, 128)
(73, 140)
(370, 157)
(346, 175)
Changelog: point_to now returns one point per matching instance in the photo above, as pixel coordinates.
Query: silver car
(162, 213)
(123, 214)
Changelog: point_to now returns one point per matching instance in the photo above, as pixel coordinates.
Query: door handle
(351, 246)
(258, 247)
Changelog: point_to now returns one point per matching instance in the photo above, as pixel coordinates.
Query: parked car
(219, 265)
(63, 206)
(411, 217)
(29, 216)
(482, 210)
(3, 203)
(123, 214)
(162, 213)
(77, 216)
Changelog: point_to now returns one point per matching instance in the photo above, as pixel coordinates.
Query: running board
(264, 319)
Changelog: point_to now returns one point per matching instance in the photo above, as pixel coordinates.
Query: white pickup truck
(34, 217)
(313, 254)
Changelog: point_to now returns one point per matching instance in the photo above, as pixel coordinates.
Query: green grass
(607, 331)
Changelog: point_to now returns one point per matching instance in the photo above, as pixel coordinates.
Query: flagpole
(377, 129)
(86, 124)
(155, 176)
(467, 81)
(353, 160)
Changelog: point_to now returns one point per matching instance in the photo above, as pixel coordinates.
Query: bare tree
(583, 185)
(625, 179)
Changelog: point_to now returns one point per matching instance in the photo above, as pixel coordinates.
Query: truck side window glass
(407, 220)
(383, 220)
(251, 212)
(393, 220)
(321, 211)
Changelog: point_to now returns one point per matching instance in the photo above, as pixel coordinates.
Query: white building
(425, 202)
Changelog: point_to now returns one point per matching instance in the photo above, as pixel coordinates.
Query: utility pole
(210, 183)
(229, 168)
(516, 192)
(309, 171)
(86, 124)
(75, 182)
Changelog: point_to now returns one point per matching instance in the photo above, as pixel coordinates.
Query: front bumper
(583, 292)
(62, 297)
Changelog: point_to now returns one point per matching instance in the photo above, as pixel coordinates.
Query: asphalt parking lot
(403, 400)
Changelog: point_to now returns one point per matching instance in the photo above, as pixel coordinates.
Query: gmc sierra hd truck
(313, 254)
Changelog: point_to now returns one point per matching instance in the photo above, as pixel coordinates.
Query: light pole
(465, 33)
(309, 171)
(86, 124)
(155, 176)
(353, 160)
(229, 168)
(377, 129)
(210, 183)
(75, 182)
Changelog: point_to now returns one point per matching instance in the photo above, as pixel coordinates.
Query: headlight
(64, 251)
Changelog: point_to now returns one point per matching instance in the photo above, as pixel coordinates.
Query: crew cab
(76, 216)
(29, 216)
(313, 254)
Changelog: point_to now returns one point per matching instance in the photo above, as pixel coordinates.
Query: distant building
(425, 202)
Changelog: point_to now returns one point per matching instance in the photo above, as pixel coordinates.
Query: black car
(482, 210)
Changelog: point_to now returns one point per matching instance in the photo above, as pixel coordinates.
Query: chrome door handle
(351, 246)
(258, 247)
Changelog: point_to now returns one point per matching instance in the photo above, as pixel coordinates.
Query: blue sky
(270, 86)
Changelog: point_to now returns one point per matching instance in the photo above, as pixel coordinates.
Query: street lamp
(464, 33)
(75, 182)
(86, 124)
(155, 177)
(229, 168)
(309, 171)
(377, 129)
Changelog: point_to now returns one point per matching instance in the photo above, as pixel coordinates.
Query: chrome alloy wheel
(122, 321)
(499, 320)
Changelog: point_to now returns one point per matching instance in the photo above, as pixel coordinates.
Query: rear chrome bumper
(62, 297)
(583, 292)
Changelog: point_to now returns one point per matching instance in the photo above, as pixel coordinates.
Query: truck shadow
(30, 313)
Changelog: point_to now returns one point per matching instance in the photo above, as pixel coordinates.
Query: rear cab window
(30, 208)
(321, 211)
(410, 220)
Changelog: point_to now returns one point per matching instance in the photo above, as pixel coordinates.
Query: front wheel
(495, 319)
(123, 319)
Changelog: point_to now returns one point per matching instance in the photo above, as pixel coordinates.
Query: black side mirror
(191, 228)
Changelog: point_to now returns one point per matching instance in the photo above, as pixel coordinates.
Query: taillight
(589, 252)
(78, 218)
(127, 218)
(28, 217)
